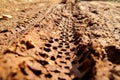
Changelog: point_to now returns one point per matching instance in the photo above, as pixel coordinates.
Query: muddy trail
(65, 41)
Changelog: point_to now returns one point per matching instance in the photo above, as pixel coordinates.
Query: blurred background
(47, 0)
(11, 5)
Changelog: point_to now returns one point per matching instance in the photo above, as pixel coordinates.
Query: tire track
(50, 51)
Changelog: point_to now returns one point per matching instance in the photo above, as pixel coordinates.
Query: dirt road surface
(57, 41)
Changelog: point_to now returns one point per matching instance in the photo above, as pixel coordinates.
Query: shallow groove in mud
(62, 54)
(53, 48)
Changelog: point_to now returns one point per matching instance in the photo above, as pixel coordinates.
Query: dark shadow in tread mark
(67, 47)
(63, 62)
(61, 78)
(3, 31)
(60, 46)
(68, 74)
(76, 42)
(66, 44)
(43, 55)
(13, 74)
(51, 37)
(23, 71)
(67, 58)
(54, 47)
(48, 75)
(52, 58)
(67, 53)
(56, 40)
(47, 49)
(61, 43)
(36, 72)
(59, 52)
(63, 50)
(22, 68)
(56, 71)
(72, 49)
(29, 45)
(113, 54)
(71, 41)
(67, 67)
(58, 56)
(76, 78)
(80, 49)
(42, 62)
(50, 41)
(48, 45)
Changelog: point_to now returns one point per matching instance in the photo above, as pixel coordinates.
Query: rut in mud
(60, 56)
